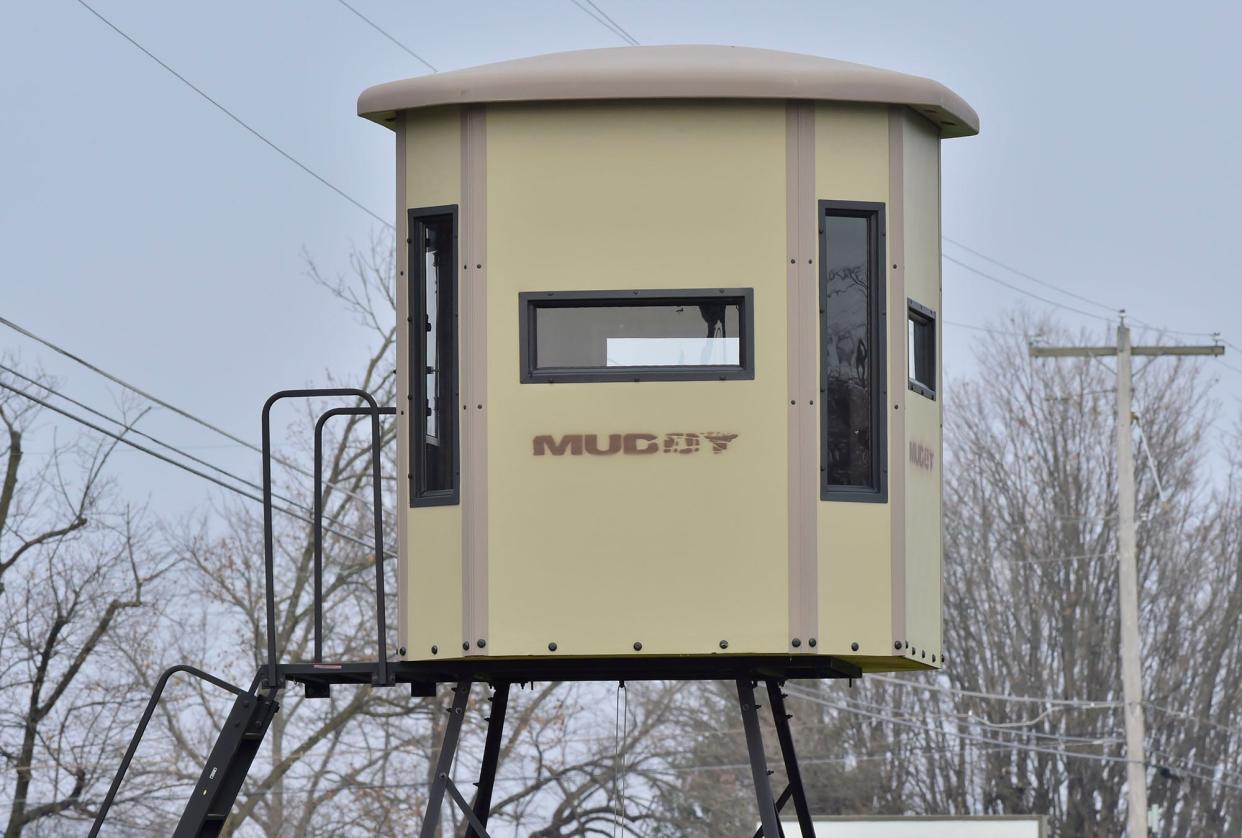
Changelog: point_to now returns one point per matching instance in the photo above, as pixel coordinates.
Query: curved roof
(673, 72)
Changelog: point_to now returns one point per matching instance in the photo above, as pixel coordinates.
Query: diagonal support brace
(758, 762)
(448, 749)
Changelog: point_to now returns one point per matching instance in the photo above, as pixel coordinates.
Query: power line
(1027, 276)
(808, 696)
(1087, 704)
(601, 17)
(381, 30)
(1019, 289)
(250, 128)
(129, 428)
(177, 410)
(164, 458)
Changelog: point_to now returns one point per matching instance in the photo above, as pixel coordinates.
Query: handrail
(142, 727)
(318, 515)
(273, 671)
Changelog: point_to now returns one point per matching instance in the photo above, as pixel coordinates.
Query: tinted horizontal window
(644, 335)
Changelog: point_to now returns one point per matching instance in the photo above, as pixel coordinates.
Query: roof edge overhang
(671, 72)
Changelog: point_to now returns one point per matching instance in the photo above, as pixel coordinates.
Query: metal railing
(374, 410)
(318, 512)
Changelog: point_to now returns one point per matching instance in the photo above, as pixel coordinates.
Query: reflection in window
(921, 343)
(645, 334)
(433, 357)
(850, 357)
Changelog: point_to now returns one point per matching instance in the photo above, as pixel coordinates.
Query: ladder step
(227, 766)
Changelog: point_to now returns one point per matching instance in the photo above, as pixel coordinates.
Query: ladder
(227, 765)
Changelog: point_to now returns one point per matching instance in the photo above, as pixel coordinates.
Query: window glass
(921, 341)
(649, 335)
(433, 356)
(850, 360)
(585, 336)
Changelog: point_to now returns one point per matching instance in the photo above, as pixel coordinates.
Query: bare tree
(363, 759)
(1030, 612)
(78, 570)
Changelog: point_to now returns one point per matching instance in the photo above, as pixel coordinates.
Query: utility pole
(1127, 561)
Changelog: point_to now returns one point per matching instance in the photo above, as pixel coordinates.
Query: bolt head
(465, 646)
(854, 647)
(795, 643)
(481, 643)
(435, 650)
(552, 646)
(638, 646)
(724, 644)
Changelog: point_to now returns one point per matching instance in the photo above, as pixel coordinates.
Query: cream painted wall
(666, 195)
(431, 603)
(676, 552)
(921, 170)
(855, 577)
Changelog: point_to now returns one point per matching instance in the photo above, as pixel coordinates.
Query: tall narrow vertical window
(852, 369)
(433, 356)
(921, 346)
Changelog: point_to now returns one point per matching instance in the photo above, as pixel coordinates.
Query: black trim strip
(529, 302)
(877, 492)
(416, 302)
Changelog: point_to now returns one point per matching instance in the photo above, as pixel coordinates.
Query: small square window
(921, 345)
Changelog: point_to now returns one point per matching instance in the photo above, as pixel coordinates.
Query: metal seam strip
(809, 370)
(801, 235)
(897, 363)
(793, 347)
(473, 367)
(403, 491)
(793, 376)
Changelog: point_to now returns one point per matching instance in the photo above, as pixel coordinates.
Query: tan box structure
(588, 475)
(668, 395)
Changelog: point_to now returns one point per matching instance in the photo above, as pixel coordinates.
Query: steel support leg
(491, 756)
(448, 749)
(776, 700)
(758, 762)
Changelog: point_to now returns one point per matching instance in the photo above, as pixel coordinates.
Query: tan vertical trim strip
(403, 336)
(473, 340)
(897, 365)
(801, 236)
(793, 349)
(808, 258)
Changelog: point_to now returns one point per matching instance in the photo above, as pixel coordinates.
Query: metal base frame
(235, 748)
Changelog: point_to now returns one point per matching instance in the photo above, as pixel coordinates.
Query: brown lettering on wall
(684, 442)
(681, 443)
(569, 443)
(641, 444)
(592, 444)
(922, 456)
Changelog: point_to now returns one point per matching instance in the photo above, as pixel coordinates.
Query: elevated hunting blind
(669, 371)
(668, 380)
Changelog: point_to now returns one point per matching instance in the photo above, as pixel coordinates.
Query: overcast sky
(142, 228)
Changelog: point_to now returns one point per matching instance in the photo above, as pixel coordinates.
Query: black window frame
(920, 314)
(874, 212)
(448, 368)
(529, 302)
